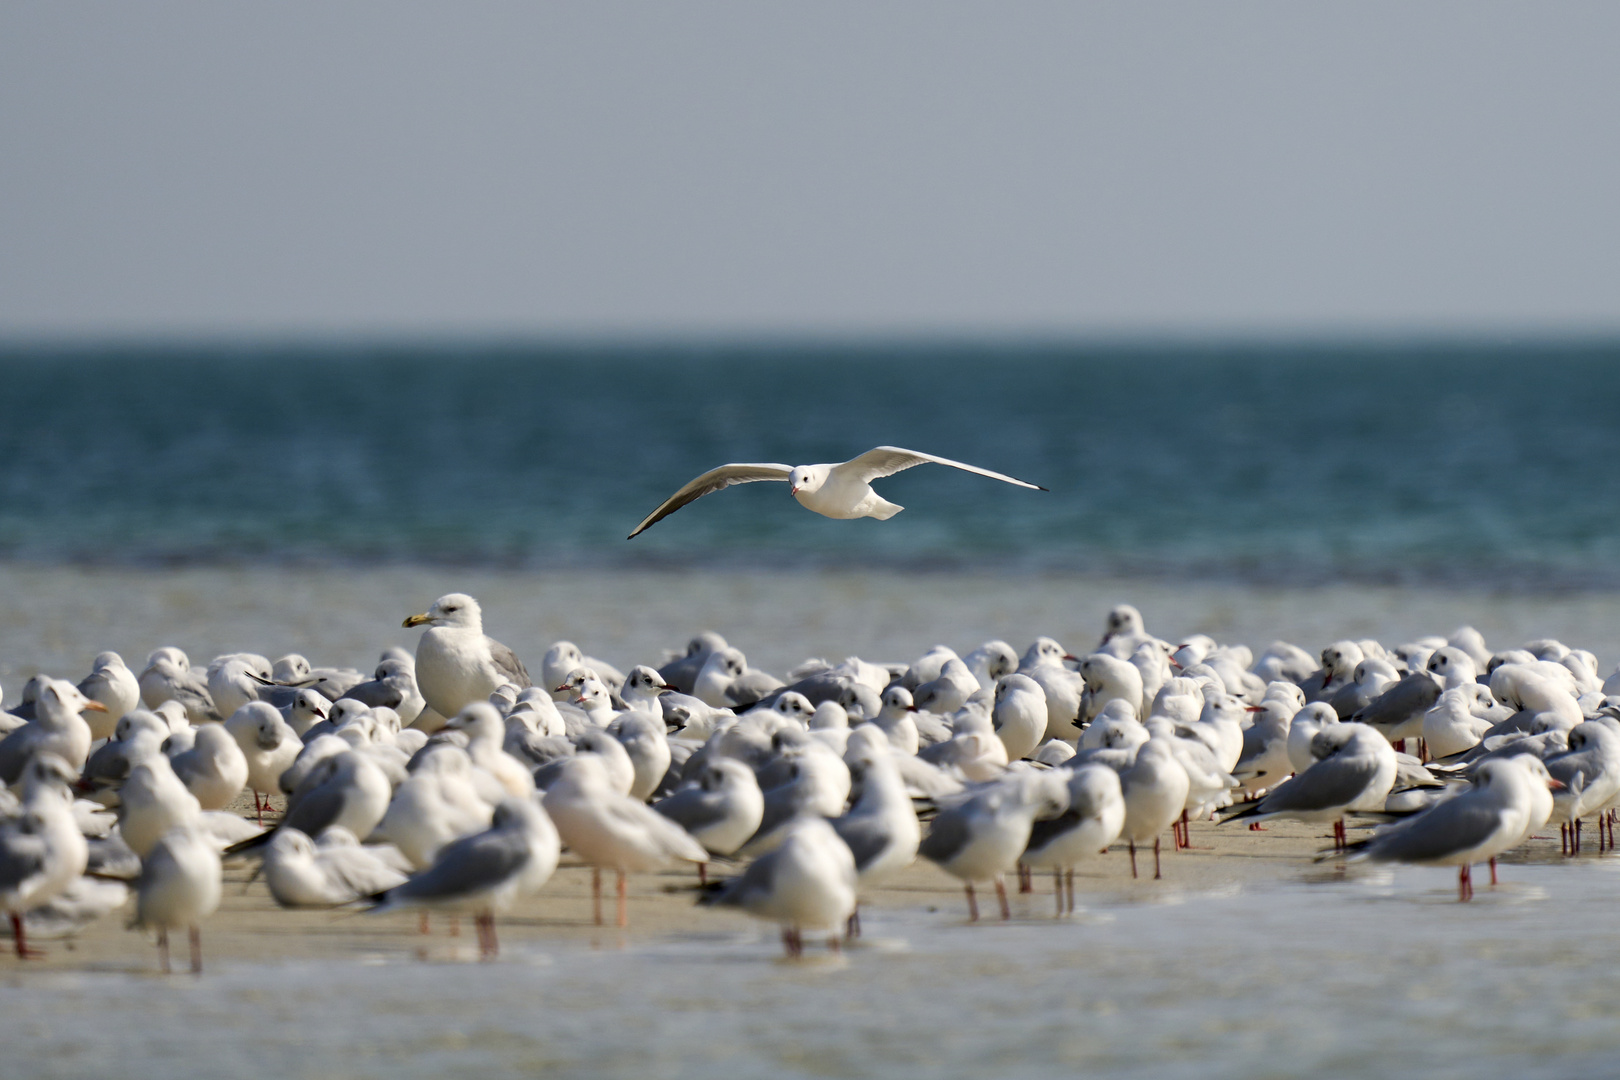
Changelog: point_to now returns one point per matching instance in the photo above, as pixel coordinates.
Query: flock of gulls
(451, 781)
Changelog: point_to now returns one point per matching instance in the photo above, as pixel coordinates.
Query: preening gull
(842, 490)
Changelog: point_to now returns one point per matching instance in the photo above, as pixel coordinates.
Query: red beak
(560, 689)
(1555, 785)
(1255, 708)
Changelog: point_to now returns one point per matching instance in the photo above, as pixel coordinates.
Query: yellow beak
(417, 620)
(94, 706)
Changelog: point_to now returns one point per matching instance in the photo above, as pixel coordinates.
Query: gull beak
(417, 620)
(793, 491)
(1106, 638)
(1555, 785)
(559, 689)
(1173, 661)
(580, 700)
(94, 706)
(1255, 708)
(911, 708)
(1070, 656)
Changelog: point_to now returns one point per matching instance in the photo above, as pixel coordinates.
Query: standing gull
(180, 886)
(841, 491)
(42, 851)
(456, 664)
(487, 872)
(808, 880)
(608, 829)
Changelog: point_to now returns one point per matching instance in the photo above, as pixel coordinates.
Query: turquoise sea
(1441, 463)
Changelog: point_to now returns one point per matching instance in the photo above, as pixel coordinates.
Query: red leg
(1156, 874)
(973, 904)
(1255, 826)
(1493, 869)
(1026, 880)
(1001, 895)
(20, 938)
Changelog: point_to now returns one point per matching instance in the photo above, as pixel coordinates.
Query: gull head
(59, 699)
(807, 478)
(456, 609)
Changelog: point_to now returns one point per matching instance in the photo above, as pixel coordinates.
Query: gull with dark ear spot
(486, 873)
(456, 663)
(57, 728)
(982, 837)
(842, 491)
(806, 882)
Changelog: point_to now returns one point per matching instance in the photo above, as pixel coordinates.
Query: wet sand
(250, 928)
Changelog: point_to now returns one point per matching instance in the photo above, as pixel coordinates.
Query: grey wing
(1333, 781)
(866, 837)
(946, 837)
(22, 856)
(364, 875)
(693, 809)
(469, 865)
(1416, 693)
(186, 766)
(507, 663)
(374, 693)
(888, 460)
(96, 680)
(710, 482)
(1046, 830)
(1454, 825)
(757, 880)
(316, 809)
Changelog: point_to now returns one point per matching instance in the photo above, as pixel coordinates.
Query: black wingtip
(1039, 488)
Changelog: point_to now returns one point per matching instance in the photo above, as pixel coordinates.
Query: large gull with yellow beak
(456, 663)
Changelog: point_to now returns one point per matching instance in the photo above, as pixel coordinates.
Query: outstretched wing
(888, 460)
(714, 480)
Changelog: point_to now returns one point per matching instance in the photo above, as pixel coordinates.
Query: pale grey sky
(696, 168)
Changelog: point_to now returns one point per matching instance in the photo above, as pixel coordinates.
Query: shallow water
(1298, 974)
(1376, 974)
(56, 618)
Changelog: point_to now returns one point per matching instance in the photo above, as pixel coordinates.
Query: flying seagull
(836, 491)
